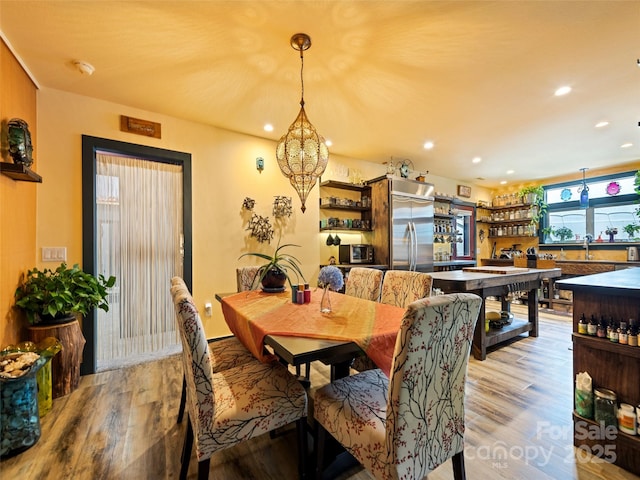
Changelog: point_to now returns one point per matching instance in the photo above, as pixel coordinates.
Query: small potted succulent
(58, 296)
(275, 273)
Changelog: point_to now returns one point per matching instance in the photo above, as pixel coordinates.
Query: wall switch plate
(54, 254)
(207, 309)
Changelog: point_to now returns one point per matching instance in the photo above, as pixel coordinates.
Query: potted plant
(57, 296)
(275, 273)
(547, 232)
(534, 196)
(631, 230)
(563, 233)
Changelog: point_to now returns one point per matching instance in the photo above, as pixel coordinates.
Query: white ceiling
(381, 78)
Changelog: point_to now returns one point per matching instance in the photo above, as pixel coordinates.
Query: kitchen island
(499, 282)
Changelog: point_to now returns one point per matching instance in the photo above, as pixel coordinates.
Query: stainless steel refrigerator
(403, 223)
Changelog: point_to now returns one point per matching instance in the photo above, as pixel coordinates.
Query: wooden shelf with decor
(613, 366)
(19, 172)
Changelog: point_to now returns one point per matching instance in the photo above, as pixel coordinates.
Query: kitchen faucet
(588, 238)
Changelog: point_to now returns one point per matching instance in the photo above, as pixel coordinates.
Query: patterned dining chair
(247, 278)
(237, 404)
(225, 352)
(404, 426)
(402, 287)
(399, 288)
(364, 283)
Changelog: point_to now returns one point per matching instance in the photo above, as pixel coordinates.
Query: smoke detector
(84, 68)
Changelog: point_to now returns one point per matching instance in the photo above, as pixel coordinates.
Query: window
(613, 207)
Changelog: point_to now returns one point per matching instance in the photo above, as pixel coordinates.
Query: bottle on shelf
(633, 333)
(582, 325)
(623, 336)
(592, 328)
(602, 328)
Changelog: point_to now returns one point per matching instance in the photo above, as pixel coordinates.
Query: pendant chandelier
(302, 153)
(584, 191)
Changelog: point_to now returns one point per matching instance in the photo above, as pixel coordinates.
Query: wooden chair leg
(183, 399)
(203, 469)
(186, 451)
(301, 428)
(458, 466)
(321, 437)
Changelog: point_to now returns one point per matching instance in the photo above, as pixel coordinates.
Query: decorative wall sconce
(260, 164)
(302, 153)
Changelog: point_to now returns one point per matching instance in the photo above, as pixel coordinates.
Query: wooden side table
(65, 366)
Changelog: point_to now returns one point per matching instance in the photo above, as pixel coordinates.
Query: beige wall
(224, 174)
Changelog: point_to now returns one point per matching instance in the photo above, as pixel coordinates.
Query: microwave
(357, 253)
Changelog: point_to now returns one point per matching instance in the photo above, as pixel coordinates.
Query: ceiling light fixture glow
(562, 91)
(428, 145)
(626, 145)
(268, 127)
(604, 123)
(510, 172)
(476, 160)
(302, 153)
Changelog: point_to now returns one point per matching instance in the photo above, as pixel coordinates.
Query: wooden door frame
(90, 145)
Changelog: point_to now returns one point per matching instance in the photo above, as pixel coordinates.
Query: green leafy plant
(62, 292)
(636, 184)
(548, 231)
(631, 229)
(563, 233)
(279, 261)
(534, 195)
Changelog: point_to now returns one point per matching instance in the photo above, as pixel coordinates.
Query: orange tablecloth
(373, 326)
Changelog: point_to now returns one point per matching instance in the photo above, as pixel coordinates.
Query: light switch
(54, 254)
(207, 309)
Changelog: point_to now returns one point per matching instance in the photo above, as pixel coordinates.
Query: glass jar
(605, 407)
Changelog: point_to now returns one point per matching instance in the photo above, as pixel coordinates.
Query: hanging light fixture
(302, 153)
(584, 191)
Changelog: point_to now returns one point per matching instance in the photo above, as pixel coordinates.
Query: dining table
(301, 333)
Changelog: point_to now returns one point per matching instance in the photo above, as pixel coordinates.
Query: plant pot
(60, 319)
(274, 280)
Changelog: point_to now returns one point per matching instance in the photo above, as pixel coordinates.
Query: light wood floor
(121, 424)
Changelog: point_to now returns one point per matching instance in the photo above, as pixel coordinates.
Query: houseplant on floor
(58, 296)
(52, 301)
(275, 273)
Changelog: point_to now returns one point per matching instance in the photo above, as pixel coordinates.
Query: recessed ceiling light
(509, 172)
(428, 145)
(476, 160)
(562, 91)
(328, 142)
(604, 123)
(268, 127)
(626, 145)
(503, 182)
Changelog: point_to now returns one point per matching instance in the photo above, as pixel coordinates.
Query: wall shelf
(19, 172)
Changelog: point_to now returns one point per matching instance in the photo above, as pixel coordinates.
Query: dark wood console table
(499, 282)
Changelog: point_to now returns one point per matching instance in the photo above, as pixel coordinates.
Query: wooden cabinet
(611, 365)
(345, 206)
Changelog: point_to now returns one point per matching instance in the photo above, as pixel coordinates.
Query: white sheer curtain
(139, 218)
